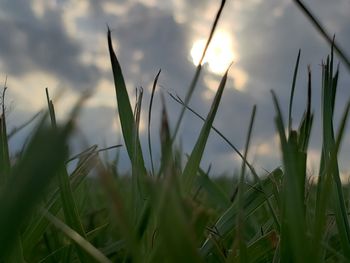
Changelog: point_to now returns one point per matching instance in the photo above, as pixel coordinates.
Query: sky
(61, 44)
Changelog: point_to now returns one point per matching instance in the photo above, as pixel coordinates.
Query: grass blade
(240, 233)
(4, 149)
(198, 70)
(30, 178)
(293, 231)
(77, 238)
(70, 209)
(191, 168)
(292, 92)
(323, 32)
(125, 111)
(39, 224)
(149, 121)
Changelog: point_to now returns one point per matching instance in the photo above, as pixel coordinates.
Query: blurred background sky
(61, 44)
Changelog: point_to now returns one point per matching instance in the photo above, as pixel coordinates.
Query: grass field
(175, 212)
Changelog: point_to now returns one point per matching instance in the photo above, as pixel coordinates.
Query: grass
(175, 212)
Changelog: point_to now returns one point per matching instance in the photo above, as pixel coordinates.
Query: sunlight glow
(219, 55)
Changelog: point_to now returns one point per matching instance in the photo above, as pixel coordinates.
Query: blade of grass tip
(5, 166)
(51, 108)
(69, 206)
(306, 123)
(138, 194)
(323, 32)
(219, 133)
(124, 107)
(149, 121)
(191, 168)
(243, 257)
(167, 165)
(235, 149)
(77, 238)
(198, 70)
(292, 93)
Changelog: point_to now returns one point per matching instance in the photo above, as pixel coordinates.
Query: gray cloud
(29, 43)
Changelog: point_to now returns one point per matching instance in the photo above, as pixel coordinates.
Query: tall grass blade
(39, 224)
(240, 233)
(4, 149)
(198, 70)
(191, 168)
(149, 122)
(167, 164)
(329, 86)
(139, 193)
(292, 92)
(30, 177)
(125, 111)
(326, 188)
(304, 131)
(235, 149)
(77, 239)
(294, 242)
(323, 32)
(69, 206)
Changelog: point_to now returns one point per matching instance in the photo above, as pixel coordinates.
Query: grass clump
(174, 213)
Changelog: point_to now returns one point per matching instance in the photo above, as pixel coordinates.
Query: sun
(219, 55)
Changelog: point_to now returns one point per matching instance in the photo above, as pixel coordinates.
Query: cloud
(29, 43)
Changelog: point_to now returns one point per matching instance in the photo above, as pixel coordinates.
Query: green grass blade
(198, 70)
(77, 239)
(69, 206)
(149, 122)
(294, 242)
(240, 231)
(30, 177)
(328, 102)
(125, 111)
(323, 32)
(292, 92)
(37, 228)
(304, 131)
(16, 255)
(138, 189)
(235, 149)
(4, 149)
(167, 160)
(326, 188)
(191, 168)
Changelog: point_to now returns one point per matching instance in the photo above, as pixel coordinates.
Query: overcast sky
(61, 44)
